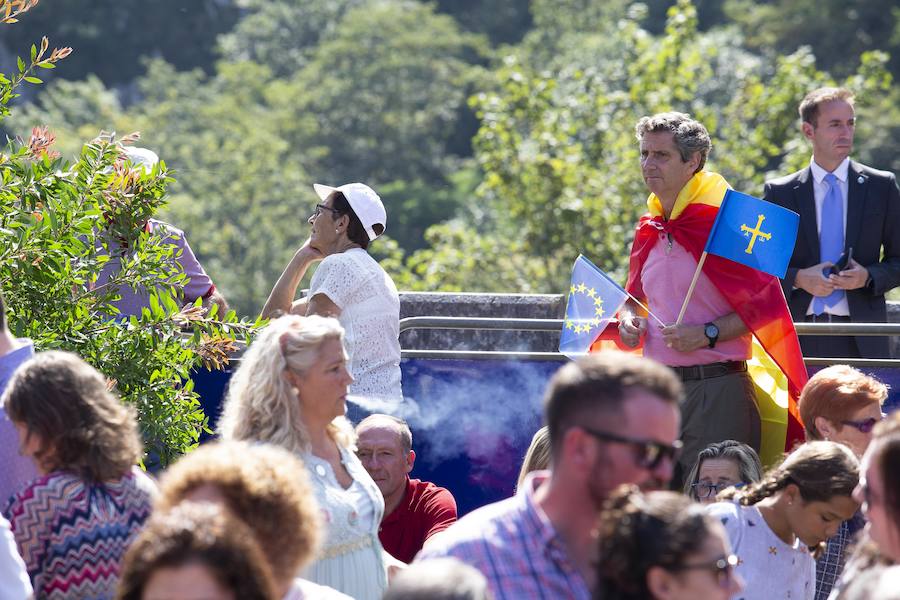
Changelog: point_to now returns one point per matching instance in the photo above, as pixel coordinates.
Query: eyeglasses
(865, 426)
(710, 490)
(320, 207)
(649, 454)
(722, 569)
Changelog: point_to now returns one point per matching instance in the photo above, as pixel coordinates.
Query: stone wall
(523, 306)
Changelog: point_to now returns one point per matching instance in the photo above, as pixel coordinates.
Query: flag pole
(649, 312)
(690, 291)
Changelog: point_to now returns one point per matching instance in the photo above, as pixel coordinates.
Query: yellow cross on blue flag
(594, 299)
(754, 232)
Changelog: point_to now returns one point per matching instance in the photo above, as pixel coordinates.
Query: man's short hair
(690, 136)
(439, 579)
(602, 382)
(835, 393)
(809, 106)
(2, 312)
(402, 426)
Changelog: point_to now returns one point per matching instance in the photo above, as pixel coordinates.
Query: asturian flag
(754, 232)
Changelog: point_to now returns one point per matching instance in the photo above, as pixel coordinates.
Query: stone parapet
(522, 306)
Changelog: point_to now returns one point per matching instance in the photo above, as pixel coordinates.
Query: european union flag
(594, 299)
(754, 232)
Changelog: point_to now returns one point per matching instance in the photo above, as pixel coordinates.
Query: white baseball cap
(364, 202)
(141, 157)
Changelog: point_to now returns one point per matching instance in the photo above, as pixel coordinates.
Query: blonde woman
(537, 457)
(291, 390)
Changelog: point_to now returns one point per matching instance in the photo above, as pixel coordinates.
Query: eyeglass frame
(661, 450)
(320, 207)
(865, 426)
(722, 568)
(718, 487)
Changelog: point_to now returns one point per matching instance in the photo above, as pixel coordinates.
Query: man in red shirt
(414, 510)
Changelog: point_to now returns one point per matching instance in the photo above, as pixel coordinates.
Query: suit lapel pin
(860, 180)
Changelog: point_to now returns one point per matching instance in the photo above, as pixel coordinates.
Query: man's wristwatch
(711, 331)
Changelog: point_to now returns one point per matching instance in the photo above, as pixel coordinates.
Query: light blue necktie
(831, 238)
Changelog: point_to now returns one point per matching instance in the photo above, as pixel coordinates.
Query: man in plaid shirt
(613, 419)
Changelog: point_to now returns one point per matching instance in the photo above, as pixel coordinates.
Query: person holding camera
(849, 214)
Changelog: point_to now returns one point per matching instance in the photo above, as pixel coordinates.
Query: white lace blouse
(370, 315)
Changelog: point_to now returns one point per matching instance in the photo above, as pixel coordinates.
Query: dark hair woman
(719, 466)
(73, 524)
(662, 546)
(350, 286)
(779, 525)
(195, 550)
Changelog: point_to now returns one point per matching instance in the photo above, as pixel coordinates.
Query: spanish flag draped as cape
(776, 366)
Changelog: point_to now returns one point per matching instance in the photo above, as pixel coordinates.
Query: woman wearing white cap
(350, 286)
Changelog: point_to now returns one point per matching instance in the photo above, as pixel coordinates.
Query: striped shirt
(514, 544)
(73, 534)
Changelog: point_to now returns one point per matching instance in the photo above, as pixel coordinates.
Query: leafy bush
(60, 222)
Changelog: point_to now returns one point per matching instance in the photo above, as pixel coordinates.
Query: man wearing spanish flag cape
(733, 308)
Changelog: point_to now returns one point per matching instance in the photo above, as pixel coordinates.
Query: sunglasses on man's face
(866, 425)
(648, 453)
(722, 569)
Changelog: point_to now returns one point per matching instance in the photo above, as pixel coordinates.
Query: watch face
(711, 331)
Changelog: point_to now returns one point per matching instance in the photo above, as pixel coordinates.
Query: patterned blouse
(73, 534)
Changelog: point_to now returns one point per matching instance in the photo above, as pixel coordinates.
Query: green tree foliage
(503, 21)
(497, 165)
(78, 109)
(112, 36)
(60, 221)
(284, 35)
(558, 152)
(381, 97)
(244, 194)
(838, 31)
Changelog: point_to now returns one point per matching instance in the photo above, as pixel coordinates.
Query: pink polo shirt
(666, 277)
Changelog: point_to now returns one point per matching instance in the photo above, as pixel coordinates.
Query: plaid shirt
(831, 563)
(514, 545)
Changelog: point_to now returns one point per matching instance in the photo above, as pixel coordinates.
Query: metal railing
(553, 325)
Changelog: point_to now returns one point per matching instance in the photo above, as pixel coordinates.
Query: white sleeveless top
(370, 315)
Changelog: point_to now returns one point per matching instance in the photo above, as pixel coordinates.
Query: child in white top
(778, 525)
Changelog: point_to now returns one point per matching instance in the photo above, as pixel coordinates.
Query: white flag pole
(649, 312)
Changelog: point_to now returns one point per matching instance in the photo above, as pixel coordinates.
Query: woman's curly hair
(198, 533)
(639, 531)
(82, 427)
(264, 486)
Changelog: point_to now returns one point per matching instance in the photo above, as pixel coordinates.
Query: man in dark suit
(846, 209)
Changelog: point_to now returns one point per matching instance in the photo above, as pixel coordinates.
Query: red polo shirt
(425, 510)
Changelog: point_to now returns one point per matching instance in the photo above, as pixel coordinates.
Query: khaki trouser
(714, 410)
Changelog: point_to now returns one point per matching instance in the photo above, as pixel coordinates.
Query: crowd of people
(644, 483)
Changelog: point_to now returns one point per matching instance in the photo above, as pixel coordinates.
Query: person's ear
(825, 427)
(792, 493)
(694, 161)
(578, 450)
(292, 378)
(808, 130)
(410, 460)
(660, 583)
